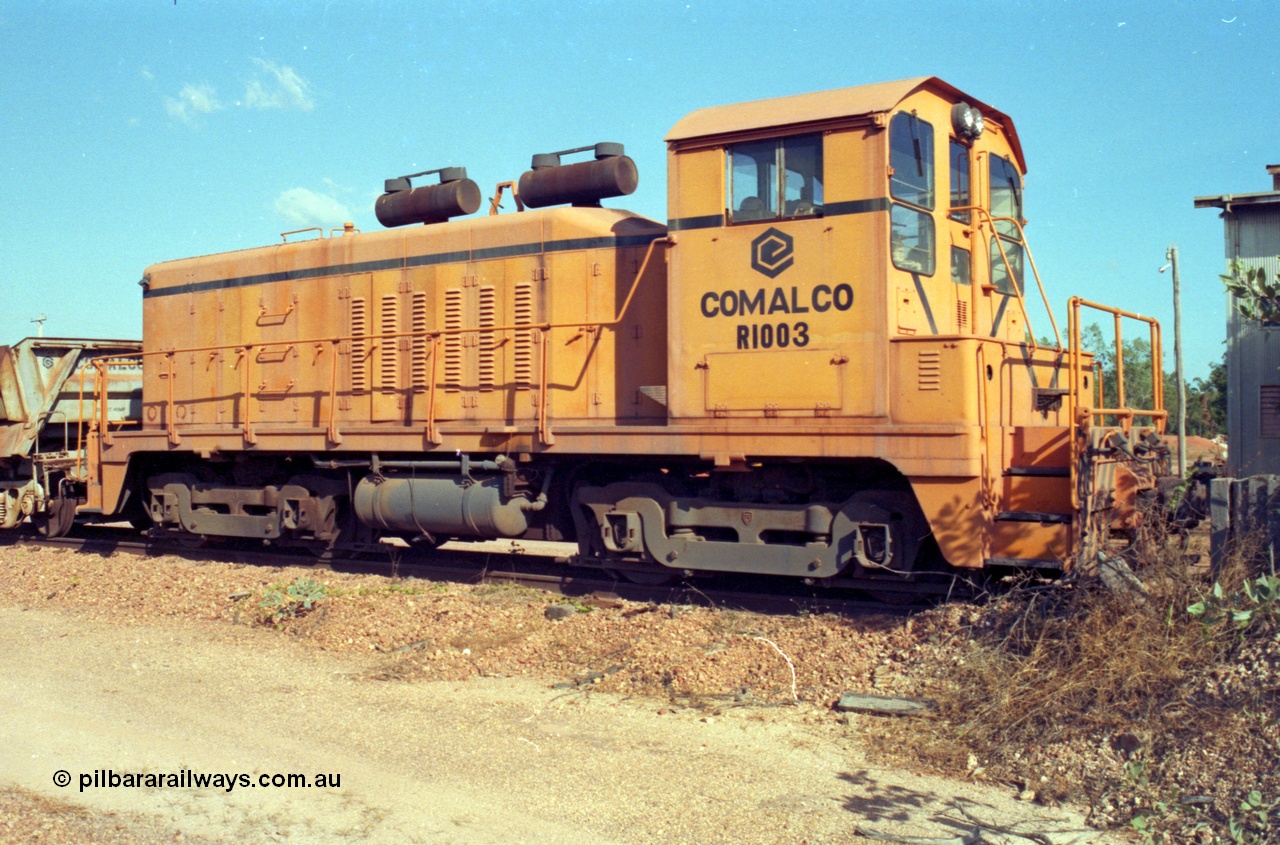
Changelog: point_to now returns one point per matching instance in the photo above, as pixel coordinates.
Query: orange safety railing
(333, 346)
(1083, 415)
(99, 408)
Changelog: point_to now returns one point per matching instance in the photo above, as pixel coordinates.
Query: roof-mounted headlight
(967, 121)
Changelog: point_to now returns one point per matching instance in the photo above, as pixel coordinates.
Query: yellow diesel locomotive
(821, 366)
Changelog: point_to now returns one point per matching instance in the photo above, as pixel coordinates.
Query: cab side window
(1006, 245)
(1006, 196)
(960, 195)
(775, 179)
(913, 242)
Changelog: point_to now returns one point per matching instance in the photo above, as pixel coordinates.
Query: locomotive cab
(816, 231)
(853, 263)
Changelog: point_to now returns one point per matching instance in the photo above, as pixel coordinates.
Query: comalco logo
(772, 252)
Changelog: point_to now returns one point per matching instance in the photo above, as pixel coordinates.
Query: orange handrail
(434, 336)
(1004, 257)
(1157, 414)
(1082, 417)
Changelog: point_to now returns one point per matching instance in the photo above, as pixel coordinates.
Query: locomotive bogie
(643, 523)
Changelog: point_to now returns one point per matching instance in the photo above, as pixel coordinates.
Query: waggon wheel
(57, 518)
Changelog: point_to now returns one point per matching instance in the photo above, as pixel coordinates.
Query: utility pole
(1171, 255)
(40, 322)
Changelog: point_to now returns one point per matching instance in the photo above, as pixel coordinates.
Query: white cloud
(279, 88)
(273, 87)
(303, 207)
(191, 101)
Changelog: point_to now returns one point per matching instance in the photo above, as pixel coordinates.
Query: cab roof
(801, 109)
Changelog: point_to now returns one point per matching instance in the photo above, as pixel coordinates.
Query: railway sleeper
(642, 523)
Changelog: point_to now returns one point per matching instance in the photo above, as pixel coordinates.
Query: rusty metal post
(1171, 254)
(1125, 421)
(246, 416)
(544, 431)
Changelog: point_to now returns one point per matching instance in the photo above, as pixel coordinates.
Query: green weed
(1256, 602)
(290, 601)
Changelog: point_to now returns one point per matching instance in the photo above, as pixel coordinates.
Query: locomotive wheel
(57, 519)
(894, 598)
(647, 577)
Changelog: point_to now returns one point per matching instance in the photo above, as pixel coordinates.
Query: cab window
(912, 240)
(960, 266)
(960, 196)
(1006, 201)
(777, 178)
(1006, 196)
(911, 160)
(1000, 270)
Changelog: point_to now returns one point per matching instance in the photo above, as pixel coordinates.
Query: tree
(1137, 368)
(1207, 402)
(1254, 297)
(1206, 398)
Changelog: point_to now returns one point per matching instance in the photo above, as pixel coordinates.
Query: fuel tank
(443, 506)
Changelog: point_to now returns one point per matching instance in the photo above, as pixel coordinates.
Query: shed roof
(1227, 201)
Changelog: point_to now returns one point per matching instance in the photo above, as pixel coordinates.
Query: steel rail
(556, 575)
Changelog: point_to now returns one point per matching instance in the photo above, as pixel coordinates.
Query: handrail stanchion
(433, 436)
(170, 419)
(544, 431)
(247, 392)
(335, 437)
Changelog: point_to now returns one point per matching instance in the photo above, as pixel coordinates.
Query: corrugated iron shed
(1252, 233)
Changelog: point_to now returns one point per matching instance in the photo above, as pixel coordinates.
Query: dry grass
(1049, 662)
(1121, 699)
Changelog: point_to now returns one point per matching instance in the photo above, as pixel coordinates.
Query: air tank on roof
(403, 204)
(612, 174)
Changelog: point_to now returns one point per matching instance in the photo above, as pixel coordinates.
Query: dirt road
(489, 760)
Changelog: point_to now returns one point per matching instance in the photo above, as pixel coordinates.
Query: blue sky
(143, 131)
